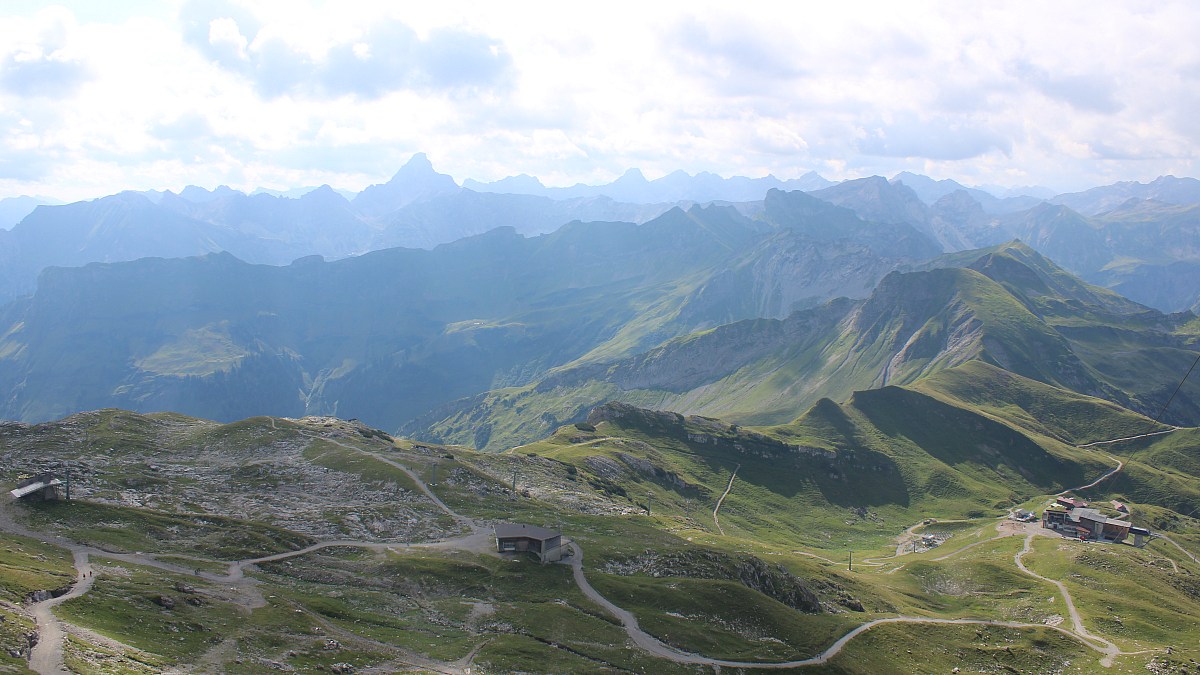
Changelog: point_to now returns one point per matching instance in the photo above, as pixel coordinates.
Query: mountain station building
(1091, 524)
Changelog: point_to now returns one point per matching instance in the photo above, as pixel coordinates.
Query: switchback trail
(1101, 479)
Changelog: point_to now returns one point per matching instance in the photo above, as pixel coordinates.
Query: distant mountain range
(13, 209)
(392, 334)
(675, 187)
(1007, 307)
(490, 315)
(1129, 236)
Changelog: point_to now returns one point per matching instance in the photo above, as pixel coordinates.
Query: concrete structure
(1055, 517)
(42, 486)
(1090, 524)
(1099, 525)
(515, 537)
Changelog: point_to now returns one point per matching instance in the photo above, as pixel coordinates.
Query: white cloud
(1068, 93)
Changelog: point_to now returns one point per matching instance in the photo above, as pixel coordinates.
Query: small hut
(44, 486)
(515, 537)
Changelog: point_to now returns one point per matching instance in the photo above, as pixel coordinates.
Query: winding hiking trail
(1110, 650)
(1120, 463)
(656, 647)
(1101, 479)
(1182, 550)
(716, 519)
(47, 655)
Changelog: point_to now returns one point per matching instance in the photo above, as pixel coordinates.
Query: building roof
(1097, 517)
(29, 487)
(519, 530)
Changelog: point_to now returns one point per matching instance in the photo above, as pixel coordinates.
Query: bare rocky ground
(543, 479)
(259, 470)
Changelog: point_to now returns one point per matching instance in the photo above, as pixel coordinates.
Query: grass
(122, 605)
(982, 582)
(27, 565)
(127, 530)
(721, 619)
(1125, 594)
(1033, 406)
(926, 648)
(844, 476)
(13, 629)
(423, 602)
(83, 657)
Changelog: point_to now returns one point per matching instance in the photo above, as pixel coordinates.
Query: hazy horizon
(100, 99)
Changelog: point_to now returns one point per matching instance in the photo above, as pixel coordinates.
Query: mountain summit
(415, 181)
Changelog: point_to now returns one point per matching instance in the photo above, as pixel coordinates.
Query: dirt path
(1128, 438)
(1109, 649)
(656, 647)
(1181, 549)
(720, 501)
(47, 655)
(1110, 474)
(972, 545)
(460, 519)
(818, 557)
(901, 540)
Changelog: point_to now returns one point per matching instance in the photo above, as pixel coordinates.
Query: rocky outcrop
(773, 581)
(704, 431)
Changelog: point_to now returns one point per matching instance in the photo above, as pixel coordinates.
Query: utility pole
(850, 566)
(514, 486)
(649, 496)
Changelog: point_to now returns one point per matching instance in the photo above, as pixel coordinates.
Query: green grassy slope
(636, 489)
(856, 472)
(1007, 307)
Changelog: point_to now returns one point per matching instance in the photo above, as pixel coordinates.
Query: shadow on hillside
(981, 448)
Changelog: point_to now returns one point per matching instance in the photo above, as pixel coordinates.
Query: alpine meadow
(884, 361)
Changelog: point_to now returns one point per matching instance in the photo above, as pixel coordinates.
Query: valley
(745, 477)
(678, 338)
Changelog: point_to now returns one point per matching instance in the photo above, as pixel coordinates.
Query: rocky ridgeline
(260, 469)
(542, 478)
(752, 572)
(705, 431)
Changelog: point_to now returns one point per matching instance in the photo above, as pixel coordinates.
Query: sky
(96, 98)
